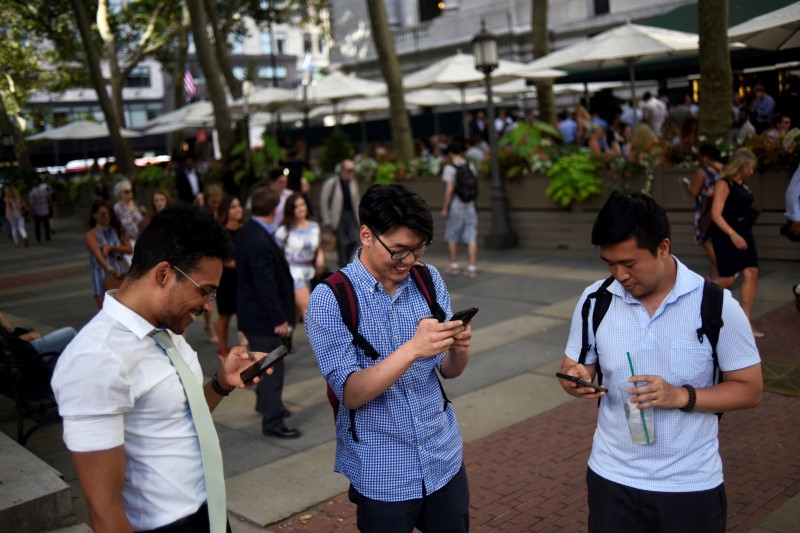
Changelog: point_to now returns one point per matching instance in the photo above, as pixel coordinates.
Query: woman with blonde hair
(14, 207)
(129, 214)
(732, 230)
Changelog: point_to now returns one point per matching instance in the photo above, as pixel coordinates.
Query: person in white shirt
(654, 113)
(648, 341)
(127, 420)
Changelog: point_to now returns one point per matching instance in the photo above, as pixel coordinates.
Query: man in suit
(265, 304)
(187, 182)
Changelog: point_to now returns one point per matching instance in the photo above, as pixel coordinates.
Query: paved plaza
(526, 440)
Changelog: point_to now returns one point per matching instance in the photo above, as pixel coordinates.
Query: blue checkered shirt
(406, 439)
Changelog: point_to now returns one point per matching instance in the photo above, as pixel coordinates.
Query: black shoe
(282, 432)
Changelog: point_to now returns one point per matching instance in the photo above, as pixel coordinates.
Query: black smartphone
(580, 382)
(465, 315)
(261, 366)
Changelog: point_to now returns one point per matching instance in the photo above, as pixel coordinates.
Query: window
(265, 73)
(322, 43)
(265, 42)
(139, 77)
(240, 73)
(601, 7)
(280, 43)
(237, 44)
(430, 9)
(307, 44)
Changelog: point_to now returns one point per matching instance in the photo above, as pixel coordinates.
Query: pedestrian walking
(338, 204)
(701, 188)
(655, 463)
(39, 198)
(15, 211)
(460, 211)
(230, 214)
(398, 441)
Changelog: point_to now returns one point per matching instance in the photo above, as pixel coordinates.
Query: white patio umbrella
(458, 72)
(267, 99)
(776, 30)
(80, 130)
(194, 115)
(434, 98)
(623, 45)
(337, 87)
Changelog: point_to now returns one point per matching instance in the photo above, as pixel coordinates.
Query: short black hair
(385, 207)
(708, 149)
(627, 215)
(181, 236)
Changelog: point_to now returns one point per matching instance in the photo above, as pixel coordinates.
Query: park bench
(25, 379)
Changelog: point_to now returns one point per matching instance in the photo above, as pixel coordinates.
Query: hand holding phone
(465, 315)
(581, 382)
(260, 367)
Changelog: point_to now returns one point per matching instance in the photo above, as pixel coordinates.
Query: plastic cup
(641, 422)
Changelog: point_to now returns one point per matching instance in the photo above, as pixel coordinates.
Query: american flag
(189, 88)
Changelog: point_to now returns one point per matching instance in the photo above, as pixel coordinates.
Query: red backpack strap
(422, 277)
(348, 305)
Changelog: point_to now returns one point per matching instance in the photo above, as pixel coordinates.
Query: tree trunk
(541, 47)
(178, 72)
(210, 66)
(122, 152)
(390, 67)
(715, 70)
(221, 49)
(115, 78)
(20, 147)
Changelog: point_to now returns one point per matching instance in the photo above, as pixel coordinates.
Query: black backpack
(342, 289)
(710, 316)
(466, 187)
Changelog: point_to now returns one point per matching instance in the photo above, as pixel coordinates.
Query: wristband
(218, 388)
(689, 407)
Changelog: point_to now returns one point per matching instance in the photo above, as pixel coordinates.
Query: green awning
(684, 18)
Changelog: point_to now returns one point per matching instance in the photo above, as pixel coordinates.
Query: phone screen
(261, 366)
(581, 382)
(465, 315)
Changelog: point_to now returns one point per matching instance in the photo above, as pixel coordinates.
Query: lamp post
(501, 236)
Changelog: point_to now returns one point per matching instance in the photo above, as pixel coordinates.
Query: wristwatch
(215, 384)
(689, 407)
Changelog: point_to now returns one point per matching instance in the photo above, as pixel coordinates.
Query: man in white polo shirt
(129, 387)
(674, 482)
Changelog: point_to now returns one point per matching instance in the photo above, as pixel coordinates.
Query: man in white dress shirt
(127, 420)
(673, 483)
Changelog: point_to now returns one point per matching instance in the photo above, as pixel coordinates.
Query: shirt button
(409, 391)
(419, 447)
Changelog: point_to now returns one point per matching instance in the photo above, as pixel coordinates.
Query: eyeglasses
(210, 296)
(399, 255)
(126, 191)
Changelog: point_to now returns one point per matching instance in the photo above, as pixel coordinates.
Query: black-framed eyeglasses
(210, 296)
(399, 255)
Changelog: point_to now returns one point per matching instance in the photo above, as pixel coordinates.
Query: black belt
(197, 522)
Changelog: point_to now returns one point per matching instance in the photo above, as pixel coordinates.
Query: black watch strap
(689, 407)
(218, 388)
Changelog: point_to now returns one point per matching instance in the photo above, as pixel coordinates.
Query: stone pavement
(527, 441)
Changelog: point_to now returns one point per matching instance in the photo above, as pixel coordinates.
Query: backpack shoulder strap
(348, 306)
(602, 303)
(711, 321)
(422, 277)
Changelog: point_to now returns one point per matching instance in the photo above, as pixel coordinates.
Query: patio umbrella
(434, 98)
(337, 87)
(776, 30)
(626, 44)
(458, 72)
(267, 99)
(194, 115)
(81, 129)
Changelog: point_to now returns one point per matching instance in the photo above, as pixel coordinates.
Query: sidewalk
(530, 476)
(526, 440)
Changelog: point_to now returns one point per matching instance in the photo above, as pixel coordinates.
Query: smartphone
(580, 382)
(261, 366)
(465, 315)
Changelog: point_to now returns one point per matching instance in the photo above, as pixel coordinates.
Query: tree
(715, 70)
(540, 37)
(390, 67)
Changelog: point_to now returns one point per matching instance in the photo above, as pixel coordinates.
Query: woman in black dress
(230, 215)
(732, 231)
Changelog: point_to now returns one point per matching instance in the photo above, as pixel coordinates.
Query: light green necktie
(206, 434)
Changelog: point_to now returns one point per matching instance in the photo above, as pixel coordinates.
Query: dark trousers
(444, 511)
(196, 522)
(39, 221)
(615, 508)
(269, 391)
(347, 239)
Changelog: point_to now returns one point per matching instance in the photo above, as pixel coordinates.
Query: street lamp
(501, 236)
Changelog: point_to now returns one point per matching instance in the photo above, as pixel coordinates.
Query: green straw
(641, 412)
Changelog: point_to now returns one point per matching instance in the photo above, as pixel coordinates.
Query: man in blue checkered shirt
(648, 350)
(402, 454)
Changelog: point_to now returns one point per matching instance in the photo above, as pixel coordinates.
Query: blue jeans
(54, 341)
